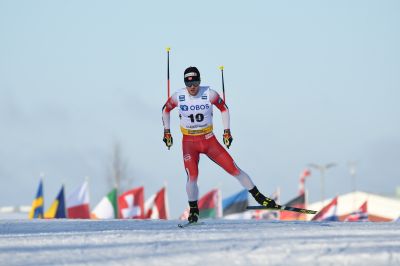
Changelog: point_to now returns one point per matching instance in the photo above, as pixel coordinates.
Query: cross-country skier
(195, 104)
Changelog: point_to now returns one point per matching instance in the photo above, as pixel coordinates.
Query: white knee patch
(245, 180)
(192, 190)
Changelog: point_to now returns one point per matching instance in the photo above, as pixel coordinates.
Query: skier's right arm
(168, 106)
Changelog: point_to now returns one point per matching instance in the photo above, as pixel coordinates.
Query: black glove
(168, 138)
(227, 137)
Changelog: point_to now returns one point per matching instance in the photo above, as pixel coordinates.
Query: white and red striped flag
(156, 207)
(78, 203)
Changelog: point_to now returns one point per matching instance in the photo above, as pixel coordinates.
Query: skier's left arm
(216, 100)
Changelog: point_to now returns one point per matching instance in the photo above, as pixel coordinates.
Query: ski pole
(168, 82)
(223, 85)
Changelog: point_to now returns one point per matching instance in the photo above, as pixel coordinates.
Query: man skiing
(195, 104)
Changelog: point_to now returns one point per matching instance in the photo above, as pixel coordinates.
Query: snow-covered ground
(218, 242)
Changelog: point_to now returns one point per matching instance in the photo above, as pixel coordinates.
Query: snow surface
(218, 242)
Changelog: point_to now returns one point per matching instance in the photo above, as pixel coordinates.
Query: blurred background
(82, 84)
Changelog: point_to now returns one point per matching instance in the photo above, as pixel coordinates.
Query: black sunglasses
(192, 83)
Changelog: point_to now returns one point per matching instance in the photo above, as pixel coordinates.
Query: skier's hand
(227, 137)
(168, 138)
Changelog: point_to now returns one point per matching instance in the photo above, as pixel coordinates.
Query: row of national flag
(128, 205)
(131, 205)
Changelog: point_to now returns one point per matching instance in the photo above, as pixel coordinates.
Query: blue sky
(306, 82)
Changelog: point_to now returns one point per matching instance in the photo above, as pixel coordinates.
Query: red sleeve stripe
(169, 105)
(220, 104)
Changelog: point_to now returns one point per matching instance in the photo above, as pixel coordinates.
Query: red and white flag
(157, 206)
(131, 204)
(78, 203)
(361, 215)
(328, 213)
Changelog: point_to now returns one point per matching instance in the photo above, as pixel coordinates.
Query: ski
(282, 208)
(187, 224)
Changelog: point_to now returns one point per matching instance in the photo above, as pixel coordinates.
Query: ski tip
(187, 224)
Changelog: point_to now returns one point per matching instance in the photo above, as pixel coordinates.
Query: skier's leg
(191, 158)
(191, 161)
(219, 155)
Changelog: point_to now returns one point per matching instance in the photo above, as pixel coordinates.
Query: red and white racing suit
(195, 113)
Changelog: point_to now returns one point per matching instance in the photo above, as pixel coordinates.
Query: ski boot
(263, 200)
(194, 212)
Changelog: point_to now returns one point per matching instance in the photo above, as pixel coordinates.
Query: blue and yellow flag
(57, 209)
(37, 204)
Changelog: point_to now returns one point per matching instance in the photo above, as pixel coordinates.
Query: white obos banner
(195, 112)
